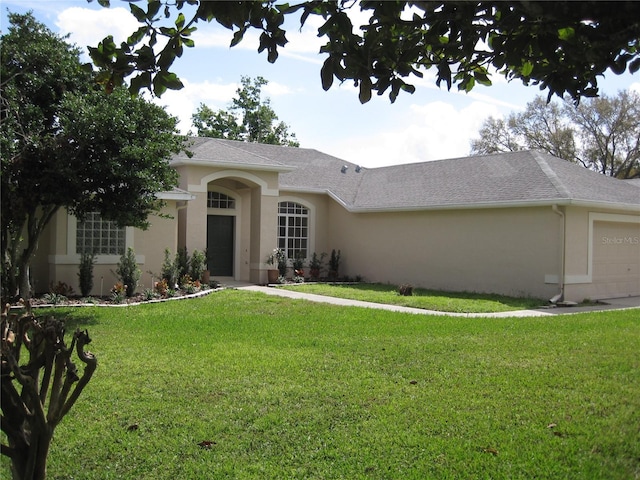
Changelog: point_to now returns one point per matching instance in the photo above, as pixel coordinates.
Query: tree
(39, 385)
(602, 134)
(66, 146)
(560, 46)
(258, 119)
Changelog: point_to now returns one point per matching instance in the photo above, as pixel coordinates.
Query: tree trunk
(36, 395)
(31, 461)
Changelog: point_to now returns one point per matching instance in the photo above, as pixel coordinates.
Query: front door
(220, 239)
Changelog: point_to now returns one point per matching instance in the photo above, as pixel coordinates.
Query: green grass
(457, 302)
(291, 389)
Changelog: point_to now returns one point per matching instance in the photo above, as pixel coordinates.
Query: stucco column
(264, 232)
(193, 224)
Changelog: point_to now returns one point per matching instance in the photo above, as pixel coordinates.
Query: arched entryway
(233, 217)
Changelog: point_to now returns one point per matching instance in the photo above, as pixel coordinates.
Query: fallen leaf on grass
(133, 427)
(490, 450)
(206, 444)
(413, 382)
(552, 425)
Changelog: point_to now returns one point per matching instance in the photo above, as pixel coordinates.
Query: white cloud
(275, 89)
(432, 131)
(183, 103)
(88, 27)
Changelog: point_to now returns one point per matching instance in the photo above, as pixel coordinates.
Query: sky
(431, 124)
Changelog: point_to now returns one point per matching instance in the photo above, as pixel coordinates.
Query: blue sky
(431, 124)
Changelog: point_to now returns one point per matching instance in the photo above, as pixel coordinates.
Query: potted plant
(278, 259)
(298, 264)
(315, 265)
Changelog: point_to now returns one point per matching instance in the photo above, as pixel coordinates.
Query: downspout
(560, 295)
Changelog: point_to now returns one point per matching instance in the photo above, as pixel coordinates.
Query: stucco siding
(509, 251)
(150, 244)
(62, 261)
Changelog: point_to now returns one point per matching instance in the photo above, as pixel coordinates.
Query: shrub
(61, 288)
(161, 287)
(118, 293)
(405, 290)
(197, 264)
(149, 294)
(128, 271)
(54, 298)
(169, 271)
(182, 262)
(334, 263)
(85, 273)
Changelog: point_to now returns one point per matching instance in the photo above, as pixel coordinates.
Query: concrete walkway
(613, 304)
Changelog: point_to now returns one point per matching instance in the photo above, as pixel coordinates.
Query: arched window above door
(220, 200)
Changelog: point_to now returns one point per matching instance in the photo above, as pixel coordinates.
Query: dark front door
(220, 236)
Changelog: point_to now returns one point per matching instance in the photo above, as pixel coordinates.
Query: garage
(616, 258)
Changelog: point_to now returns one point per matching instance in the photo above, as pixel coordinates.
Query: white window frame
(310, 216)
(229, 201)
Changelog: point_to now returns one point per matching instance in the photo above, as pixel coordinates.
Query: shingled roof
(503, 179)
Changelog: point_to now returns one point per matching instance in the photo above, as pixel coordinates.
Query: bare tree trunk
(36, 395)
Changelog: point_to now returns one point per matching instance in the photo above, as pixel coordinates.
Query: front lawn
(457, 302)
(245, 385)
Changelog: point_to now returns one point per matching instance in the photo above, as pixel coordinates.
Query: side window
(293, 229)
(99, 236)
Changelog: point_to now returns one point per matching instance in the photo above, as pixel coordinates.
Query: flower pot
(272, 275)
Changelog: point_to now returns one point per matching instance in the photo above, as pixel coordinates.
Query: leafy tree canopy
(560, 46)
(250, 118)
(65, 145)
(602, 134)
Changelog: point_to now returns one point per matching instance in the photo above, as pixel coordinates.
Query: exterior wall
(149, 245)
(587, 229)
(512, 251)
(57, 260)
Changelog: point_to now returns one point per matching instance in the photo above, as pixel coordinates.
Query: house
(521, 223)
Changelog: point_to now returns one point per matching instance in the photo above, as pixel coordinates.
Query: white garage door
(616, 259)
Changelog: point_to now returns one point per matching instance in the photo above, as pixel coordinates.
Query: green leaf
(139, 82)
(237, 37)
(180, 21)
(272, 54)
(526, 69)
(137, 36)
(482, 78)
(137, 12)
(365, 90)
(566, 33)
(170, 80)
(326, 74)
(154, 8)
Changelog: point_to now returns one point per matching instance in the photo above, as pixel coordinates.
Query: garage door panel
(616, 258)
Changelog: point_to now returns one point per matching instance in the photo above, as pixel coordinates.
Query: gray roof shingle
(502, 179)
